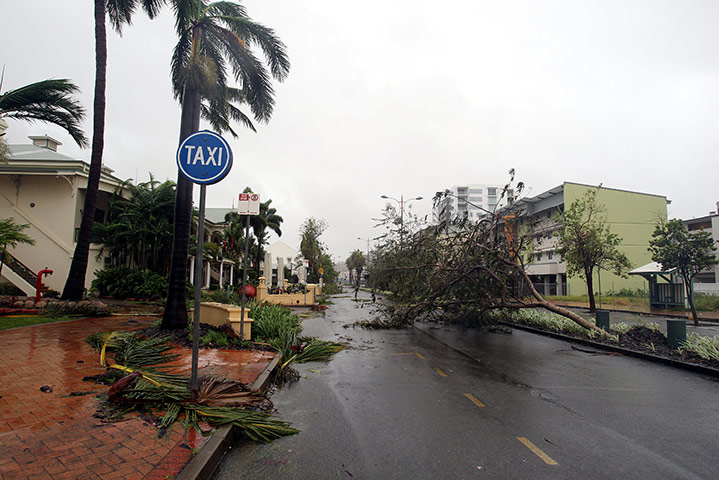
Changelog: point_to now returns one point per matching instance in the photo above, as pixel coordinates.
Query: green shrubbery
(123, 282)
(10, 289)
(277, 326)
(332, 289)
(707, 303)
(705, 347)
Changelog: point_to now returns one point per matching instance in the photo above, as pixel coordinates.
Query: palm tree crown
(48, 101)
(215, 39)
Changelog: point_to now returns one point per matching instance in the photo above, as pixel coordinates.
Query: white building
(470, 201)
(46, 190)
(283, 255)
(708, 280)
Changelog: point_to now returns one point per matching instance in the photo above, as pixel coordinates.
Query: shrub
(705, 302)
(221, 296)
(628, 292)
(85, 307)
(273, 321)
(10, 289)
(705, 347)
(332, 289)
(553, 322)
(123, 282)
(215, 338)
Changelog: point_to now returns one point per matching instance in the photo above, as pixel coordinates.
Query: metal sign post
(249, 204)
(203, 158)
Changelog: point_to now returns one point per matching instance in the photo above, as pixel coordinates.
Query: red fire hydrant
(38, 283)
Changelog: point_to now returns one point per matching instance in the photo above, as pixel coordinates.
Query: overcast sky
(409, 97)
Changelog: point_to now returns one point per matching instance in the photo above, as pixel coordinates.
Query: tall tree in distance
(267, 218)
(215, 39)
(311, 247)
(586, 243)
(356, 262)
(674, 247)
(120, 13)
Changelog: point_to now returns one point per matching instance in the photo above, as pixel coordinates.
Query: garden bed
(645, 340)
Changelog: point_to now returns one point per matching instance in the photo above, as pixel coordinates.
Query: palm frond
(221, 392)
(49, 101)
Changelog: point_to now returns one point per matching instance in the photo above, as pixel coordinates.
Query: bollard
(602, 317)
(676, 332)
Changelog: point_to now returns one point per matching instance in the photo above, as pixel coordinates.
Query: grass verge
(27, 320)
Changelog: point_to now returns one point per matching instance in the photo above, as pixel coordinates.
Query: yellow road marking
(413, 353)
(474, 399)
(440, 372)
(546, 458)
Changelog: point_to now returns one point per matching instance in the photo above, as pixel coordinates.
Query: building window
(550, 254)
(700, 225)
(539, 257)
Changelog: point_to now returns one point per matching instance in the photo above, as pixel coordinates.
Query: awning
(653, 268)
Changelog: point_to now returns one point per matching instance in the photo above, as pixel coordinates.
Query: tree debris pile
(459, 269)
(146, 386)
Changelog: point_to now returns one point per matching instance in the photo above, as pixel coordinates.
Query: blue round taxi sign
(204, 157)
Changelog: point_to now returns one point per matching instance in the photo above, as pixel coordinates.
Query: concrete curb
(202, 465)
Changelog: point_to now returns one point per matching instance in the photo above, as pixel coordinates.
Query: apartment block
(470, 201)
(631, 215)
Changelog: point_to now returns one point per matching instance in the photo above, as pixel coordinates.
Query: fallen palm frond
(217, 392)
(258, 426)
(130, 350)
(150, 387)
(318, 350)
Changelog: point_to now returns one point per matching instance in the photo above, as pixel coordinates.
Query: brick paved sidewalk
(54, 435)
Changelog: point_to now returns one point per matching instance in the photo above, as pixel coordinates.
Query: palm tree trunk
(75, 283)
(175, 315)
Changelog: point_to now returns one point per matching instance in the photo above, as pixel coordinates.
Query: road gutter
(204, 463)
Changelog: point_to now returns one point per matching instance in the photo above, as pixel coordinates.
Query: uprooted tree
(460, 268)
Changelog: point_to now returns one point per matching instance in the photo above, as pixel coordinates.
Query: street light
(367, 239)
(401, 202)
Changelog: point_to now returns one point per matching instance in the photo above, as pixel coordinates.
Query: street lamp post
(401, 202)
(367, 239)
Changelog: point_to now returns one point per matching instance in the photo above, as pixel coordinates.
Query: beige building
(46, 189)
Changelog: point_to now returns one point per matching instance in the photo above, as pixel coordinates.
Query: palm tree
(267, 218)
(48, 101)
(120, 13)
(11, 234)
(214, 38)
(138, 229)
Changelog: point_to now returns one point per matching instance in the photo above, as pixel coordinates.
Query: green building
(631, 215)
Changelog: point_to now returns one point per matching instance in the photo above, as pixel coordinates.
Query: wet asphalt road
(441, 403)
